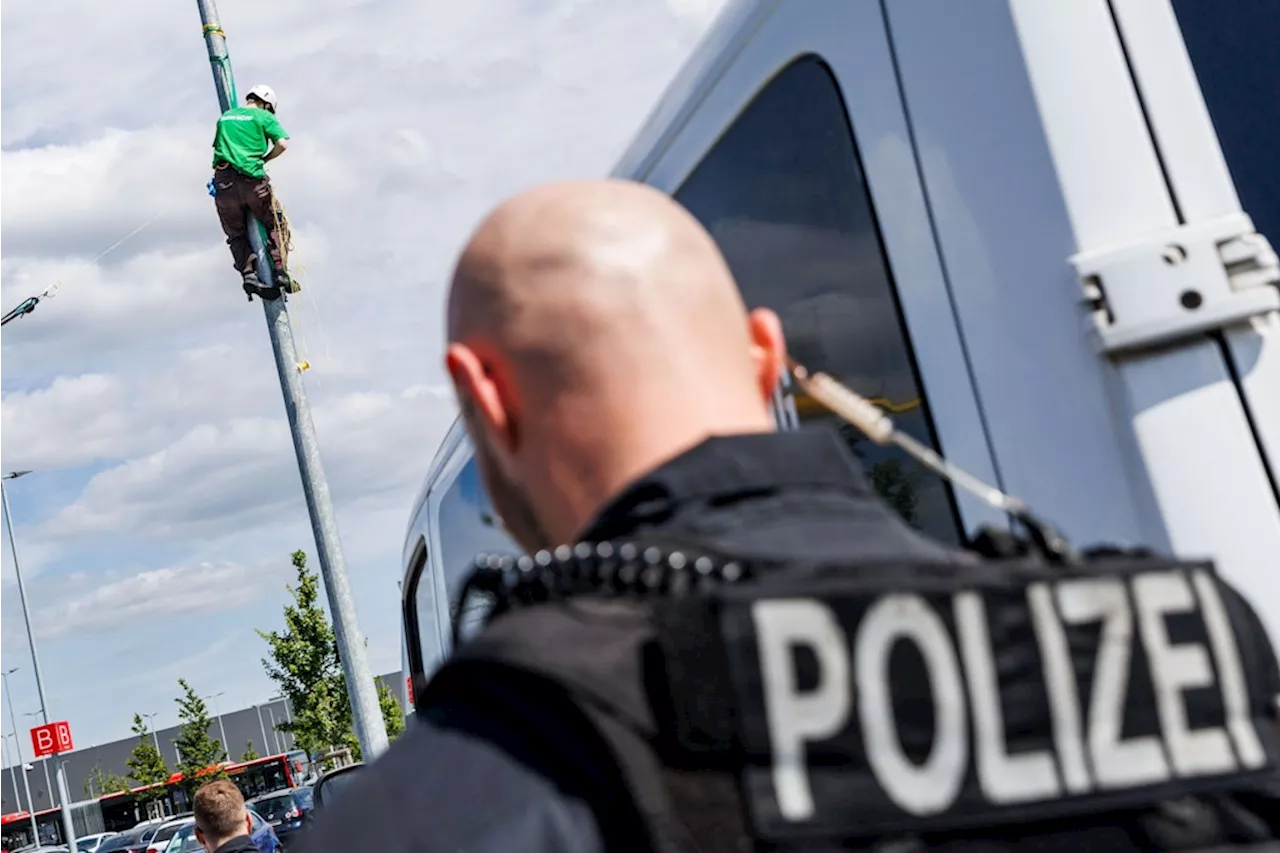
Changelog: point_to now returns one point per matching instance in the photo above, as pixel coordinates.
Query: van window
(421, 614)
(1232, 46)
(783, 194)
(467, 527)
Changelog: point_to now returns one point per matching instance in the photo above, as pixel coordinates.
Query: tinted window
(304, 798)
(185, 841)
(164, 833)
(783, 194)
(424, 610)
(272, 806)
(1233, 48)
(467, 527)
(258, 779)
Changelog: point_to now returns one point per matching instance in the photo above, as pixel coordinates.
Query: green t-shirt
(242, 138)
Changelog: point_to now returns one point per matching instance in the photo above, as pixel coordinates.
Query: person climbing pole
(247, 138)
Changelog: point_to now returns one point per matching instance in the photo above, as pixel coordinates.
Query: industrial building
(255, 726)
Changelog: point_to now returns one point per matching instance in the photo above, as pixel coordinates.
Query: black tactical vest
(1122, 703)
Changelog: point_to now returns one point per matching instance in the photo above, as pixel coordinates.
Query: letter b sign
(51, 738)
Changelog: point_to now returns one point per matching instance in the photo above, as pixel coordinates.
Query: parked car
(263, 836)
(287, 810)
(129, 841)
(91, 843)
(333, 783)
(159, 839)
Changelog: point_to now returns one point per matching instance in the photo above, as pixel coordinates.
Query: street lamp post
(155, 738)
(68, 827)
(44, 762)
(262, 726)
(48, 785)
(13, 775)
(17, 745)
(275, 733)
(289, 740)
(214, 697)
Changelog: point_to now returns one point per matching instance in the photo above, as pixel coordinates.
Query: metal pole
(262, 726)
(155, 738)
(13, 776)
(17, 743)
(68, 828)
(225, 747)
(44, 763)
(365, 713)
(290, 740)
(275, 733)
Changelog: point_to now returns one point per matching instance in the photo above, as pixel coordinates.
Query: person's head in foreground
(595, 332)
(220, 814)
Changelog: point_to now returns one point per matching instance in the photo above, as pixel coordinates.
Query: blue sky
(155, 534)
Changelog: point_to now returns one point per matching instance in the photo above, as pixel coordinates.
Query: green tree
(893, 479)
(392, 719)
(392, 713)
(893, 482)
(249, 753)
(146, 764)
(303, 662)
(102, 782)
(201, 754)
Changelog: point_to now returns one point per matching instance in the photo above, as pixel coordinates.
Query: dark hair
(265, 105)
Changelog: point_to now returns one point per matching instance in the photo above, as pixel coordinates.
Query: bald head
(595, 331)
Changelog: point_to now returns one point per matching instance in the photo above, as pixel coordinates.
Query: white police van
(1014, 224)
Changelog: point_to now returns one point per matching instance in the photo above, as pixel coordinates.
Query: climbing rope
(29, 304)
(223, 62)
(297, 271)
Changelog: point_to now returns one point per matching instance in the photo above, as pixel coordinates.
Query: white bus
(1013, 223)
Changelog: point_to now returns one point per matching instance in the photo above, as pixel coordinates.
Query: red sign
(51, 739)
(408, 682)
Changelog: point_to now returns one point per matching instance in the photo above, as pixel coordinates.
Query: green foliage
(201, 753)
(892, 480)
(146, 764)
(303, 662)
(102, 782)
(392, 713)
(897, 486)
(249, 753)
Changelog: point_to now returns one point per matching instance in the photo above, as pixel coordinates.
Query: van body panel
(987, 147)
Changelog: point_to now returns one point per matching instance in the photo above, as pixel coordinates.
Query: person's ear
(248, 823)
(768, 350)
(481, 386)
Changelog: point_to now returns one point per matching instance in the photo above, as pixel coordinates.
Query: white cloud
(696, 13)
(215, 479)
(144, 394)
(204, 588)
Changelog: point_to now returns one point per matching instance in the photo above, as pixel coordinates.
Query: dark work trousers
(236, 195)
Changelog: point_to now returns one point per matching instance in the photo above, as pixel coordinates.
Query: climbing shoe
(252, 286)
(286, 282)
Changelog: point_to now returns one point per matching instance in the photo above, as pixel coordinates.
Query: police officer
(617, 390)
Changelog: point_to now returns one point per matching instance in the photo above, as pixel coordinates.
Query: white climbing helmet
(265, 94)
